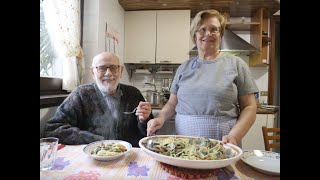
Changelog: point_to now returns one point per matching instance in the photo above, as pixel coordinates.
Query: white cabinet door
(140, 37)
(173, 29)
(254, 138)
(157, 36)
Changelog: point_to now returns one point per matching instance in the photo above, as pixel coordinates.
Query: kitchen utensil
(153, 97)
(150, 145)
(128, 112)
(155, 88)
(166, 84)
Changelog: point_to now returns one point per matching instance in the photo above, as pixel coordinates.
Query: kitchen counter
(265, 111)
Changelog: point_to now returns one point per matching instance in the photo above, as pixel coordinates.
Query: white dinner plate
(90, 147)
(266, 162)
(270, 107)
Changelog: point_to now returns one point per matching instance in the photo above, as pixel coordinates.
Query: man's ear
(121, 70)
(91, 72)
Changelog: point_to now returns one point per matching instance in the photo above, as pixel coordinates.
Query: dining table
(73, 164)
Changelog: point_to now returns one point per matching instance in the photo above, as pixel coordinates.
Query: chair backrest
(271, 137)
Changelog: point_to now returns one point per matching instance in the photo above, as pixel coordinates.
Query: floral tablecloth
(73, 164)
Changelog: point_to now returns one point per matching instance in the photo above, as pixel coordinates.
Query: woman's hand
(143, 111)
(154, 125)
(230, 139)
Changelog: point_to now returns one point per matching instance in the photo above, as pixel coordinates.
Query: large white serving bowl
(193, 164)
(90, 147)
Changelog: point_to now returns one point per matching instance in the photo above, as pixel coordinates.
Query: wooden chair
(271, 137)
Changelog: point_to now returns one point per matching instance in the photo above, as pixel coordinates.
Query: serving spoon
(150, 144)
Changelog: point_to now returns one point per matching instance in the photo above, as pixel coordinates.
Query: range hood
(234, 44)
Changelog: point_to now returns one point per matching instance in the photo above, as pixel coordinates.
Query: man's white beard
(106, 88)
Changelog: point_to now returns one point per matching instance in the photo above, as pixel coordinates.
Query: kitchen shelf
(150, 69)
(259, 39)
(164, 72)
(142, 71)
(241, 26)
(265, 40)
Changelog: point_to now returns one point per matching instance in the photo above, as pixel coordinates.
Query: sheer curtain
(64, 27)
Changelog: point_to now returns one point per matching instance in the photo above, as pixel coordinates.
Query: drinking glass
(48, 152)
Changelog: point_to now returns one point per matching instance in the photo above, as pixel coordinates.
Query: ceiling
(236, 8)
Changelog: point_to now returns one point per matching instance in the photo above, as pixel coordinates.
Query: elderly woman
(212, 94)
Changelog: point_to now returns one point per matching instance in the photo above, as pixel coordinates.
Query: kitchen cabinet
(253, 140)
(140, 37)
(258, 28)
(157, 37)
(239, 26)
(243, 26)
(168, 127)
(259, 38)
(173, 31)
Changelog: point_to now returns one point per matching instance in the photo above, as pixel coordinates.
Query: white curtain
(64, 27)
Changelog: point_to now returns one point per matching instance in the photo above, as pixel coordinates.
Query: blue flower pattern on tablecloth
(60, 164)
(221, 175)
(135, 170)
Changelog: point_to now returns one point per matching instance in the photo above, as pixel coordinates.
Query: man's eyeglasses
(103, 69)
(213, 30)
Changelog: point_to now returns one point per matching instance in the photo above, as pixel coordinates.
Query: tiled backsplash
(260, 74)
(138, 81)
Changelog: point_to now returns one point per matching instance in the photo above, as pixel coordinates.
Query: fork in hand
(133, 111)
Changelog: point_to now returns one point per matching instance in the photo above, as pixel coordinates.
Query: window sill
(52, 100)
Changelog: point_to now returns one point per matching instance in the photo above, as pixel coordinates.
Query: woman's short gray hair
(197, 21)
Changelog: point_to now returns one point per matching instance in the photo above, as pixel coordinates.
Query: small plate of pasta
(191, 152)
(107, 150)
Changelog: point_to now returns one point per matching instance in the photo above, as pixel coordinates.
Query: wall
(260, 74)
(45, 115)
(98, 12)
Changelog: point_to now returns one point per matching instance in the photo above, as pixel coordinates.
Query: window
(51, 93)
(49, 66)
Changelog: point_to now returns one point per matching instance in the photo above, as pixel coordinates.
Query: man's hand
(143, 111)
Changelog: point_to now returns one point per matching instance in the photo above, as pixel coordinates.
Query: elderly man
(94, 111)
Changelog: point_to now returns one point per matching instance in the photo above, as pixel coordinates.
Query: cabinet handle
(144, 61)
(165, 61)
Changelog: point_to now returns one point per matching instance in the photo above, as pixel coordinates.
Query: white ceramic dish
(193, 164)
(90, 147)
(266, 162)
(269, 107)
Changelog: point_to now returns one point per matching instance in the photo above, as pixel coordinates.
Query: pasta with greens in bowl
(192, 148)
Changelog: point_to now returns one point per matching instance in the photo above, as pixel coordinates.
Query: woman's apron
(203, 125)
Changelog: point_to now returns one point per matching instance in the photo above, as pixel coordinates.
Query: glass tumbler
(48, 152)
